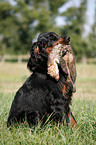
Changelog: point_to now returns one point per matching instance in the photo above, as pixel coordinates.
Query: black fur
(39, 96)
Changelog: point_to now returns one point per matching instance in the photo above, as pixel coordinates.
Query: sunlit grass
(12, 76)
(13, 72)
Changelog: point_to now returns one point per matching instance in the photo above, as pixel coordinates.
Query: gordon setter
(41, 95)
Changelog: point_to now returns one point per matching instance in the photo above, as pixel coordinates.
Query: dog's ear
(34, 51)
(29, 64)
(38, 58)
(33, 60)
(32, 64)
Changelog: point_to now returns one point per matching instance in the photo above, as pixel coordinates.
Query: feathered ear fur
(34, 52)
(31, 65)
(38, 58)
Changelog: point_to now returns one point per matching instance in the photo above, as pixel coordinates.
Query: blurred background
(21, 21)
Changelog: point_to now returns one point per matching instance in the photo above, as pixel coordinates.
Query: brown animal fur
(67, 63)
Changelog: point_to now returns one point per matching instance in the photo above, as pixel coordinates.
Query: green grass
(83, 107)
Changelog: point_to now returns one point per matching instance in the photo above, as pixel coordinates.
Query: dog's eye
(52, 37)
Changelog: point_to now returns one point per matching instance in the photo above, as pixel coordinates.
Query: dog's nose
(68, 38)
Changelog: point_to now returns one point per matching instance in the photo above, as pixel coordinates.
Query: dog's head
(41, 49)
(48, 38)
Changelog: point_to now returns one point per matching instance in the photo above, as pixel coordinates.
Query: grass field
(12, 76)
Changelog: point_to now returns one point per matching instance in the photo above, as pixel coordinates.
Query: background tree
(75, 19)
(92, 42)
(21, 23)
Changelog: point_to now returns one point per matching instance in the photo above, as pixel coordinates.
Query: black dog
(41, 95)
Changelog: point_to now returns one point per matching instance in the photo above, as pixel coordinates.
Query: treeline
(21, 23)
